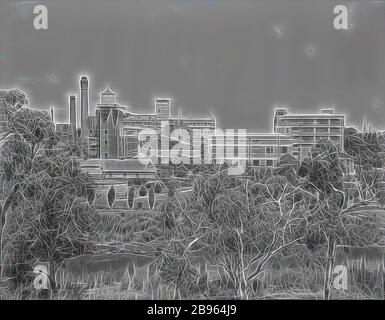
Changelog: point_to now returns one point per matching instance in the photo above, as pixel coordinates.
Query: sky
(235, 58)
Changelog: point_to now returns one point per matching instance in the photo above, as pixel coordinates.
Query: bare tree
(239, 224)
(367, 150)
(46, 216)
(332, 221)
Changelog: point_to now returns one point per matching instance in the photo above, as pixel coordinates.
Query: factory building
(114, 131)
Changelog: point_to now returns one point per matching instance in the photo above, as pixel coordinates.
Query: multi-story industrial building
(113, 131)
(307, 129)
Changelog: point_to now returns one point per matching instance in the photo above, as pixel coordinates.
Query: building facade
(307, 129)
(128, 170)
(256, 149)
(113, 131)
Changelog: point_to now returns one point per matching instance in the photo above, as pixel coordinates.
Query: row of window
(299, 121)
(199, 124)
(268, 150)
(142, 123)
(268, 163)
(312, 138)
(271, 141)
(158, 123)
(317, 130)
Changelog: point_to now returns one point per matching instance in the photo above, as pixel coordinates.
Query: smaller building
(130, 169)
(124, 185)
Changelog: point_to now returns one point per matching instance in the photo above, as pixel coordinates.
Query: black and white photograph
(212, 151)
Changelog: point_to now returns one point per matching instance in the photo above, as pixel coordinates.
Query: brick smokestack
(73, 116)
(84, 107)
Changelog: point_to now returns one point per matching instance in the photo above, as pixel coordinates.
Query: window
(142, 191)
(307, 121)
(283, 149)
(256, 151)
(255, 162)
(105, 142)
(269, 163)
(269, 150)
(335, 122)
(335, 130)
(105, 131)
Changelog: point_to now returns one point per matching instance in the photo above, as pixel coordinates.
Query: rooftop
(126, 165)
(325, 112)
(108, 91)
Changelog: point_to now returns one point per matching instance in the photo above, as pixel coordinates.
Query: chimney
(84, 106)
(73, 115)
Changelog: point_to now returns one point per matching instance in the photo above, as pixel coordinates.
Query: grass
(305, 283)
(175, 277)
